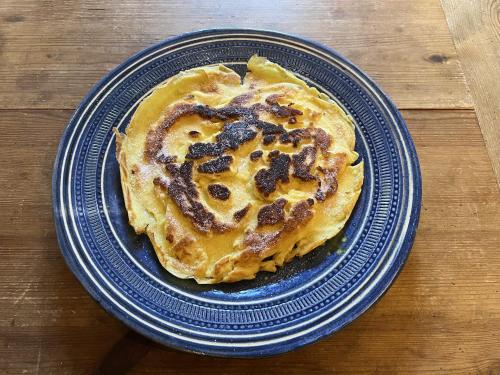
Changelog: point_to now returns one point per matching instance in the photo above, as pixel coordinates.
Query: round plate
(305, 299)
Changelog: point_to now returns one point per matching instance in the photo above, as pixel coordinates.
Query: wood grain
(441, 315)
(52, 52)
(124, 355)
(48, 324)
(475, 27)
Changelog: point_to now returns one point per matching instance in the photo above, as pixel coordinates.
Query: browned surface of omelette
(228, 178)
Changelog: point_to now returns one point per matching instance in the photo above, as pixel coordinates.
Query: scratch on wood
(476, 213)
(37, 369)
(19, 299)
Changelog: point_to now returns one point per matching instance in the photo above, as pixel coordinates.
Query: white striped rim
(64, 213)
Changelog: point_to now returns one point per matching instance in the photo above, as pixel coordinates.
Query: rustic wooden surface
(475, 26)
(442, 314)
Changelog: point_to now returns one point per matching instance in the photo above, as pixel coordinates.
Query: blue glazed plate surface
(303, 301)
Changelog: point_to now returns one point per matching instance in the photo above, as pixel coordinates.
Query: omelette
(229, 177)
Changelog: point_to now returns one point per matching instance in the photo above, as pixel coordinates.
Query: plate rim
(392, 273)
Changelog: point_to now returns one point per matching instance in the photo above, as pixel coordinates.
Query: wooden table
(438, 61)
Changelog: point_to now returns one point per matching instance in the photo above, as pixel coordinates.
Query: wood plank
(441, 315)
(50, 56)
(48, 323)
(475, 28)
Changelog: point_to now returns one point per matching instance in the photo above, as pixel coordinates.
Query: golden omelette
(230, 178)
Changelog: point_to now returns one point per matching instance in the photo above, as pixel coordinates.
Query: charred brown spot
(279, 110)
(256, 155)
(169, 161)
(273, 154)
(232, 136)
(166, 159)
(194, 133)
(320, 195)
(241, 99)
(208, 113)
(268, 139)
(172, 168)
(266, 179)
(240, 214)
(302, 163)
(186, 174)
(292, 120)
(322, 140)
(327, 185)
(221, 164)
(294, 136)
(160, 182)
(170, 233)
(219, 191)
(299, 214)
(235, 134)
(273, 99)
(199, 150)
(183, 193)
(154, 138)
(270, 129)
(238, 112)
(258, 242)
(272, 214)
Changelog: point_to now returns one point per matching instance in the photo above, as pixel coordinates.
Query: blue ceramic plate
(306, 299)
